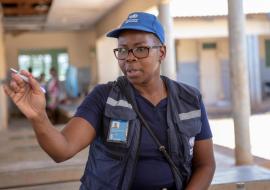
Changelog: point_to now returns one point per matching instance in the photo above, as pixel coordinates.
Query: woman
(128, 157)
(53, 93)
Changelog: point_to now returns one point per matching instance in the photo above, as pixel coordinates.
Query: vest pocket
(114, 154)
(189, 126)
(188, 129)
(104, 168)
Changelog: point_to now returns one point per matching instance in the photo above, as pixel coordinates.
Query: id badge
(118, 131)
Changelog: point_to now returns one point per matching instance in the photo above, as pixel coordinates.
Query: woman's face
(141, 70)
(53, 72)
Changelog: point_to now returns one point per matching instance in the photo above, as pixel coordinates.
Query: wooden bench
(39, 173)
(241, 178)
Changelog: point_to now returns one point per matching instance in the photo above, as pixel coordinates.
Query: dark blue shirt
(152, 170)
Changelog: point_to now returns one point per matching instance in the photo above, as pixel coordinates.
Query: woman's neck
(153, 91)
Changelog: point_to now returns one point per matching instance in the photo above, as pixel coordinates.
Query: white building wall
(108, 68)
(216, 29)
(187, 62)
(76, 43)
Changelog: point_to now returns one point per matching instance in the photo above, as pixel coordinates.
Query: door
(210, 77)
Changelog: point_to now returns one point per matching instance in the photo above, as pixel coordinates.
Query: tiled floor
(223, 135)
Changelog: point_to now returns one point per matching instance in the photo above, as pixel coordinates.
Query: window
(267, 53)
(62, 61)
(209, 45)
(40, 61)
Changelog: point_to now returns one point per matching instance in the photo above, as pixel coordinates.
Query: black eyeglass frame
(132, 51)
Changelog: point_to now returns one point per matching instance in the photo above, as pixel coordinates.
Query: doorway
(210, 76)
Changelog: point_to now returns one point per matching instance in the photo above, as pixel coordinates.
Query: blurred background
(220, 47)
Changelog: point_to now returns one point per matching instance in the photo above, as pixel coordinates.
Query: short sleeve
(205, 130)
(92, 107)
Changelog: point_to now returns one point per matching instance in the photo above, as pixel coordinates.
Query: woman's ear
(163, 51)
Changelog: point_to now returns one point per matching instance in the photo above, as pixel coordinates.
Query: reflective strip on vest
(190, 115)
(121, 103)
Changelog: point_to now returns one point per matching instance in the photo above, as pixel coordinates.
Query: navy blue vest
(111, 166)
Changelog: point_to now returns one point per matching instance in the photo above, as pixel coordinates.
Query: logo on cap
(133, 16)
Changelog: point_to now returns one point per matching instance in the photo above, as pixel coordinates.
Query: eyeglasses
(138, 52)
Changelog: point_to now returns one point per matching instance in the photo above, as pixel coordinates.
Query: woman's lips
(133, 72)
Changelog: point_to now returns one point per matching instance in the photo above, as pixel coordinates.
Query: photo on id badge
(118, 131)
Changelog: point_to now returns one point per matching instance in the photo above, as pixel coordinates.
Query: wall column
(168, 68)
(239, 82)
(3, 98)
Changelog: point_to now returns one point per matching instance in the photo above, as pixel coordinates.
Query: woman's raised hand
(28, 97)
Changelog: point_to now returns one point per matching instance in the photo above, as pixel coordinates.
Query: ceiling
(53, 15)
(65, 15)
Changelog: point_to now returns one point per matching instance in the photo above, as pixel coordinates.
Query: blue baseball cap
(140, 21)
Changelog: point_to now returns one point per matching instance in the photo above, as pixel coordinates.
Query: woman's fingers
(13, 91)
(14, 86)
(18, 86)
(18, 80)
(35, 85)
(26, 73)
(32, 81)
(8, 91)
(19, 83)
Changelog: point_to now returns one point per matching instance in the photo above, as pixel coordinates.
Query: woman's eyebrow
(134, 45)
